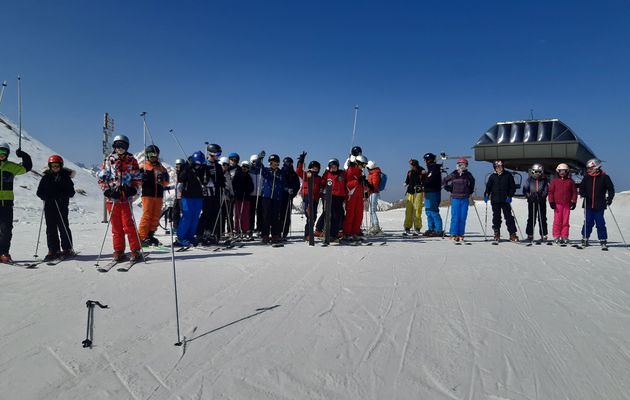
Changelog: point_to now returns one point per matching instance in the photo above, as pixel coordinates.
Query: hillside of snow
(87, 204)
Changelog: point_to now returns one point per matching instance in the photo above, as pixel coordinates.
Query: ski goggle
(215, 154)
(537, 172)
(563, 170)
(233, 159)
(462, 165)
(120, 145)
(4, 152)
(151, 154)
(54, 165)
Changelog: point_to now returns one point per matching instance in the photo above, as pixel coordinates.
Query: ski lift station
(522, 143)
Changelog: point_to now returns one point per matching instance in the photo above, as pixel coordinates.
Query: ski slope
(413, 319)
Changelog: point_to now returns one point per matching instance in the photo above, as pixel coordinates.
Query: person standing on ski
(55, 189)
(598, 191)
(213, 181)
(255, 210)
(8, 171)
(191, 176)
(433, 196)
(356, 183)
(292, 180)
(500, 189)
(154, 179)
(374, 184)
(461, 185)
(176, 211)
(120, 179)
(243, 185)
(414, 198)
(562, 199)
(313, 169)
(339, 192)
(273, 189)
(535, 189)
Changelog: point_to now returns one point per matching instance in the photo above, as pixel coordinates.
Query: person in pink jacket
(562, 199)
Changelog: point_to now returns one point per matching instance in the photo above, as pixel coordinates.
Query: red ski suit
(119, 177)
(354, 202)
(317, 183)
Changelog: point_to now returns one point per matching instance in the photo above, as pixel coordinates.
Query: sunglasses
(55, 165)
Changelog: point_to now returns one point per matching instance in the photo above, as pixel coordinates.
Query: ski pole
(619, 229)
(516, 221)
(448, 208)
(64, 226)
(135, 228)
(486, 223)
(19, 79)
(354, 123)
(4, 85)
(179, 342)
(540, 224)
(109, 220)
(485, 237)
(39, 232)
(179, 145)
(286, 212)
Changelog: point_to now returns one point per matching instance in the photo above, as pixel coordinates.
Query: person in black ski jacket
(535, 189)
(55, 189)
(292, 180)
(500, 189)
(414, 197)
(213, 180)
(433, 196)
(598, 192)
(192, 191)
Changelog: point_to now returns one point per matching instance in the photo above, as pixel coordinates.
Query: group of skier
(223, 198)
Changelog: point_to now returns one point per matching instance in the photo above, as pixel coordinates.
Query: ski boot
(604, 245)
(6, 258)
(68, 253)
(181, 243)
(136, 256)
(585, 242)
(558, 240)
(497, 236)
(146, 242)
(513, 237)
(52, 255)
(153, 240)
(428, 233)
(407, 232)
(119, 256)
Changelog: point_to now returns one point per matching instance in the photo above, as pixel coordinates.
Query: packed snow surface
(416, 318)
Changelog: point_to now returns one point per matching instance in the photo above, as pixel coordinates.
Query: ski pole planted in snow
(109, 220)
(39, 232)
(619, 229)
(179, 342)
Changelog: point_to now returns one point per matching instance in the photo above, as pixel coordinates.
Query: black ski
(61, 259)
(310, 182)
(108, 266)
(127, 265)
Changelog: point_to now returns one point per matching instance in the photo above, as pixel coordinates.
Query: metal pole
(4, 85)
(135, 227)
(65, 228)
(354, 123)
(41, 220)
(20, 111)
(105, 236)
(179, 145)
(485, 237)
(179, 342)
(619, 229)
(144, 134)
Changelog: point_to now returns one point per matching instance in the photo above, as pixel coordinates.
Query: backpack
(381, 186)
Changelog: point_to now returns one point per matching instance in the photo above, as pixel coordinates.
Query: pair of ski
(122, 266)
(36, 263)
(579, 246)
(538, 242)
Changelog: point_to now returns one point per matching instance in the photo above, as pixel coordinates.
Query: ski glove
(508, 200)
(302, 157)
(572, 206)
(20, 153)
(609, 201)
(112, 194)
(485, 199)
(129, 191)
(552, 205)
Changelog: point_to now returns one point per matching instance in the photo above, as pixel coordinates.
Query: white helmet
(253, 157)
(361, 159)
(6, 146)
(562, 166)
(245, 163)
(371, 164)
(224, 160)
(594, 163)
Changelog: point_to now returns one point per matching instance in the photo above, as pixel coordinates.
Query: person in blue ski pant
(598, 191)
(433, 196)
(461, 185)
(190, 177)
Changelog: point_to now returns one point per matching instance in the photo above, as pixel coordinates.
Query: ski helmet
(180, 161)
(414, 163)
(152, 149)
(429, 157)
(198, 158)
(536, 169)
(5, 146)
(361, 159)
(498, 163)
(245, 164)
(371, 164)
(562, 166)
(214, 149)
(274, 157)
(253, 157)
(594, 163)
(356, 151)
(314, 165)
(234, 156)
(462, 161)
(224, 160)
(121, 141)
(55, 159)
(287, 161)
(333, 161)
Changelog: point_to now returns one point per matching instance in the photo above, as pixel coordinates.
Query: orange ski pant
(151, 211)
(122, 224)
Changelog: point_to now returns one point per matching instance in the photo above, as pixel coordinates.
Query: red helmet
(55, 159)
(462, 161)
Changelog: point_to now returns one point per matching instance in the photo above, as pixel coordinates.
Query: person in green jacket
(8, 171)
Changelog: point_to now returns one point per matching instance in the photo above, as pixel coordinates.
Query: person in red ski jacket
(562, 199)
(313, 168)
(356, 183)
(120, 179)
(339, 191)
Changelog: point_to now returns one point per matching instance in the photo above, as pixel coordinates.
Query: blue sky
(284, 76)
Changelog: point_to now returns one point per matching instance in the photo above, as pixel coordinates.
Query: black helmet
(429, 157)
(314, 164)
(356, 150)
(214, 149)
(274, 157)
(333, 161)
(414, 163)
(287, 161)
(152, 149)
(180, 161)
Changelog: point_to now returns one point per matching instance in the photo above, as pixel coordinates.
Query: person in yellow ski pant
(413, 211)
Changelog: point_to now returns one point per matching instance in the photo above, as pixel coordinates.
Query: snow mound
(85, 207)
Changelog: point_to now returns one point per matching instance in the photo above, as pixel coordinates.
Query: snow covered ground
(414, 319)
